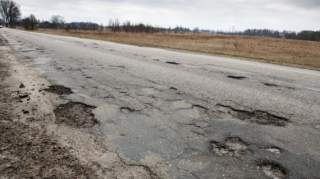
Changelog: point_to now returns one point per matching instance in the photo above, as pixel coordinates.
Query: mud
(257, 117)
(272, 169)
(232, 146)
(75, 114)
(59, 90)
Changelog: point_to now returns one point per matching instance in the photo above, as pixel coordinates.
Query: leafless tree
(10, 12)
(30, 23)
(57, 21)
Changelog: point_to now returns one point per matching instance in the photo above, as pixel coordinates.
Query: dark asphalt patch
(59, 90)
(257, 117)
(75, 114)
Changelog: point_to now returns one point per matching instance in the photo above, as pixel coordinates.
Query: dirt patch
(26, 153)
(272, 169)
(256, 117)
(173, 63)
(75, 114)
(236, 77)
(59, 90)
(232, 146)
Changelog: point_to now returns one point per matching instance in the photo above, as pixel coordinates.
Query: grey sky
(208, 14)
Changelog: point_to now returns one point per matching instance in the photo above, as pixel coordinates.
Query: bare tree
(10, 12)
(57, 21)
(14, 13)
(30, 23)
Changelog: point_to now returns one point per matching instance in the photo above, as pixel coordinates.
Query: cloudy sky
(207, 14)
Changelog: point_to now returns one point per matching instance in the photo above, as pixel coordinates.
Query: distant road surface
(182, 114)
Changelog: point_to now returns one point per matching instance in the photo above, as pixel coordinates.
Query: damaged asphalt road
(138, 112)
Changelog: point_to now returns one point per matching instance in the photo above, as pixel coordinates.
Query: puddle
(190, 66)
(58, 41)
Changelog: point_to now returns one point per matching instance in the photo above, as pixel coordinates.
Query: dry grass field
(281, 51)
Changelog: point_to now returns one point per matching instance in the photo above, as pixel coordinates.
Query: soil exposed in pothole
(75, 114)
(59, 90)
(272, 170)
(232, 146)
(257, 117)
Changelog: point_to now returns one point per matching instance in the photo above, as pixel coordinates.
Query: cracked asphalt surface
(169, 114)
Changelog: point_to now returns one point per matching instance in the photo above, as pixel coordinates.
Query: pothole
(272, 169)
(256, 117)
(275, 150)
(59, 90)
(270, 84)
(126, 110)
(232, 146)
(236, 77)
(75, 114)
(173, 63)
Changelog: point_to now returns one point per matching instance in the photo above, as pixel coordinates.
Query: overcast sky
(207, 14)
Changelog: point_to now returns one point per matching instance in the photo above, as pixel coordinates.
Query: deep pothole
(59, 90)
(256, 117)
(75, 114)
(272, 169)
(232, 146)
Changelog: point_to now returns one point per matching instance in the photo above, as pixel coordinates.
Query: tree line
(10, 13)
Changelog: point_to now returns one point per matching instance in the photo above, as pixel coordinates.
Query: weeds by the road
(260, 48)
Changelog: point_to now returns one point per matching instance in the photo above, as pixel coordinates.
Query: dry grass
(260, 48)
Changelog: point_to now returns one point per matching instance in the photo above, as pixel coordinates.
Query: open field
(260, 48)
